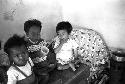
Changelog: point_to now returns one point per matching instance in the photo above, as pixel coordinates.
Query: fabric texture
(41, 63)
(65, 55)
(14, 75)
(92, 48)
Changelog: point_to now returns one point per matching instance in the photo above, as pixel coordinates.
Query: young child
(65, 47)
(43, 63)
(20, 71)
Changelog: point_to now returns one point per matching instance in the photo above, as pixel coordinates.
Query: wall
(105, 16)
(13, 14)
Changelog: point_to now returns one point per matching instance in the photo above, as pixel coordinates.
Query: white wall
(49, 12)
(105, 16)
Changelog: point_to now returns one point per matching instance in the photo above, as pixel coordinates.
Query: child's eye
(24, 53)
(21, 54)
(33, 33)
(18, 55)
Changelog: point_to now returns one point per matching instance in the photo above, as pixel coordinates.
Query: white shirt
(66, 52)
(14, 75)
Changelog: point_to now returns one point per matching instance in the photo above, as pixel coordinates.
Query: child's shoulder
(12, 71)
(71, 40)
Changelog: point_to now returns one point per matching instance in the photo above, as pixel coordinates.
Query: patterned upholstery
(92, 48)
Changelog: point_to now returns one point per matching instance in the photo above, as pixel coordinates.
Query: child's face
(34, 33)
(63, 34)
(19, 55)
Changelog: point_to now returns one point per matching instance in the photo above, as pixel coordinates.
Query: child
(20, 71)
(43, 63)
(65, 47)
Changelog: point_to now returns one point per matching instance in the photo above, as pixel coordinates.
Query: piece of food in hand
(51, 65)
(44, 50)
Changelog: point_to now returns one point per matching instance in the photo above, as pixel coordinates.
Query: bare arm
(62, 41)
(56, 50)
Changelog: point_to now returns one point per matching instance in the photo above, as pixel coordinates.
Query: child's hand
(62, 41)
(36, 60)
(63, 67)
(51, 65)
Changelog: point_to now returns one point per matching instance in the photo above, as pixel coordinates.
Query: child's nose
(20, 56)
(60, 36)
(37, 35)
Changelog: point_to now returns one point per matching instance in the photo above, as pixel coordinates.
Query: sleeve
(56, 42)
(12, 78)
(74, 44)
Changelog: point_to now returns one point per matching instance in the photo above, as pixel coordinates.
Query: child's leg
(72, 66)
(43, 78)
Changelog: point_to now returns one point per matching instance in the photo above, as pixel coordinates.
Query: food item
(44, 50)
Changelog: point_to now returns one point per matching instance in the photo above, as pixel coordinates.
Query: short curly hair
(33, 22)
(64, 25)
(14, 41)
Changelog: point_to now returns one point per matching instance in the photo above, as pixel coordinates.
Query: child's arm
(56, 50)
(11, 78)
(72, 66)
(62, 41)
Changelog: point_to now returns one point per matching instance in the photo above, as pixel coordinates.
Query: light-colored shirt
(14, 75)
(66, 53)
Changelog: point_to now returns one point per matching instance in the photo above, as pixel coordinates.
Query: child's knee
(43, 78)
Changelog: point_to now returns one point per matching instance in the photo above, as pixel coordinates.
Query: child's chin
(22, 64)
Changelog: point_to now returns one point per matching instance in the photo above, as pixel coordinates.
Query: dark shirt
(35, 49)
(3, 74)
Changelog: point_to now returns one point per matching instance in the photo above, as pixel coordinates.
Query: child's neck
(33, 42)
(66, 39)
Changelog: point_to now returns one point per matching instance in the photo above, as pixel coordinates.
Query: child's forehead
(62, 31)
(34, 28)
(18, 48)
